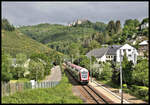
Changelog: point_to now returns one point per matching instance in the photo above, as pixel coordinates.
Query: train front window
(84, 74)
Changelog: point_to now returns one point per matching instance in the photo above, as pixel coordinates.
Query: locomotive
(79, 73)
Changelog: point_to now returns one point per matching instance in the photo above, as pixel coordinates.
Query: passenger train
(79, 73)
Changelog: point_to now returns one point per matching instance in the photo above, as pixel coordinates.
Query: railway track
(94, 97)
(91, 94)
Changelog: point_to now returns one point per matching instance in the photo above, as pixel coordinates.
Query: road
(55, 74)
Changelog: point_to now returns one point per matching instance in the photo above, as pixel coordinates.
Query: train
(79, 73)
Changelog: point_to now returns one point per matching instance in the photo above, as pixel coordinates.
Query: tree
(141, 73)
(106, 73)
(94, 44)
(21, 58)
(130, 27)
(118, 26)
(20, 69)
(73, 50)
(46, 60)
(6, 67)
(6, 25)
(36, 70)
(111, 27)
(145, 20)
(82, 61)
(127, 70)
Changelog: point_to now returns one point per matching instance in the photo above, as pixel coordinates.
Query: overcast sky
(30, 13)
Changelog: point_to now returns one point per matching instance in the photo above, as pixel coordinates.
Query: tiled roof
(97, 52)
(112, 49)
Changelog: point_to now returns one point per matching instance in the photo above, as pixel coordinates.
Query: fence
(11, 88)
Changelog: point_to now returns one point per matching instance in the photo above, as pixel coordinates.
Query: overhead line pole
(121, 92)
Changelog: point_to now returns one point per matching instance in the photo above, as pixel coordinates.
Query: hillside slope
(14, 42)
(46, 33)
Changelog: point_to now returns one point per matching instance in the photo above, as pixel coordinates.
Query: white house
(145, 25)
(99, 54)
(130, 51)
(112, 53)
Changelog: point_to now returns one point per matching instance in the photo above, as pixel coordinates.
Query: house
(78, 21)
(130, 51)
(112, 53)
(99, 54)
(145, 25)
(143, 48)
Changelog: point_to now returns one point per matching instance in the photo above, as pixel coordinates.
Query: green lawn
(62, 93)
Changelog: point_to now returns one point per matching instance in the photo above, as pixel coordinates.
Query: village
(75, 53)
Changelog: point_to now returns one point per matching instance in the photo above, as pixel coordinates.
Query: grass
(60, 94)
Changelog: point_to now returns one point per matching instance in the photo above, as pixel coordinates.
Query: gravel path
(55, 74)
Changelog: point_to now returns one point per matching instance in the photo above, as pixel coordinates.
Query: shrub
(141, 91)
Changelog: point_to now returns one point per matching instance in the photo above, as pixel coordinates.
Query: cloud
(28, 13)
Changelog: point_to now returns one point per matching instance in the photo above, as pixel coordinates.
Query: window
(129, 55)
(124, 50)
(129, 49)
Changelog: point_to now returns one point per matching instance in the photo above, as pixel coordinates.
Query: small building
(143, 48)
(145, 25)
(112, 53)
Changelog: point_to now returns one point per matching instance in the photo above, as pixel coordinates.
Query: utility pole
(121, 92)
(91, 71)
(72, 58)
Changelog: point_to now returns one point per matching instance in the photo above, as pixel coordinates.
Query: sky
(32, 13)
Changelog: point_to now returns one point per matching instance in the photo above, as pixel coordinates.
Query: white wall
(132, 54)
(102, 59)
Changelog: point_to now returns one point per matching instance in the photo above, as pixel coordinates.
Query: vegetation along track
(91, 95)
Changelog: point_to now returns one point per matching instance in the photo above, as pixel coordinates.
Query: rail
(92, 93)
(110, 91)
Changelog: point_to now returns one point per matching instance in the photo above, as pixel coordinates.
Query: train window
(84, 72)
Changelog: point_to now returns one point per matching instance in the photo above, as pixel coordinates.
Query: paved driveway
(55, 74)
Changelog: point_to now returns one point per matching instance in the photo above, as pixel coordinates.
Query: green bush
(143, 91)
(140, 91)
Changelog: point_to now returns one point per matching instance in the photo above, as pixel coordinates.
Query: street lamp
(121, 92)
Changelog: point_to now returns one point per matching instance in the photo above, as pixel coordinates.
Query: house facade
(130, 51)
(143, 48)
(112, 53)
(145, 25)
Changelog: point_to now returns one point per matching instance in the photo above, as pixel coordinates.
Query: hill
(59, 37)
(85, 35)
(46, 33)
(14, 42)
